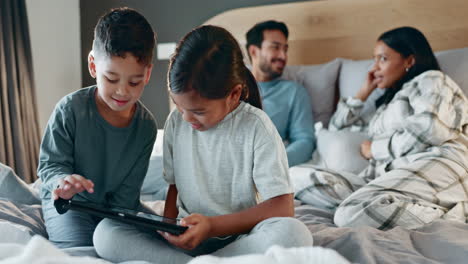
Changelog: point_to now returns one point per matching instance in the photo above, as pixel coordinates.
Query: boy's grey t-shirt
(78, 140)
(227, 168)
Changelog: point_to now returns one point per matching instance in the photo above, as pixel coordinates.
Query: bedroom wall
(54, 27)
(170, 23)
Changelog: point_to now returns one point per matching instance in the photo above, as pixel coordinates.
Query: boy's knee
(104, 239)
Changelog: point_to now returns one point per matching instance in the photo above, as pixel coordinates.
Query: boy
(99, 139)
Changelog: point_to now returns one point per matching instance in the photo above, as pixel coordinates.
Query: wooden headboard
(323, 30)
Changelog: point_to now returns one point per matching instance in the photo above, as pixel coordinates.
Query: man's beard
(266, 68)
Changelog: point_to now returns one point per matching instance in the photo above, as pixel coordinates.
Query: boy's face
(120, 81)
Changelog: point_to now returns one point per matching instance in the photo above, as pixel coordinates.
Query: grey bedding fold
(442, 241)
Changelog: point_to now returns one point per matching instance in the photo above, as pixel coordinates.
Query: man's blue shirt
(288, 105)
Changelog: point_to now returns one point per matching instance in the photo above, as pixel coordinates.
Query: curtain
(19, 126)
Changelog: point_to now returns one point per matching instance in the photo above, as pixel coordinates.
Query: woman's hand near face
(368, 86)
(366, 149)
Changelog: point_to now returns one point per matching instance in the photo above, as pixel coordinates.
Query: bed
(331, 44)
(330, 49)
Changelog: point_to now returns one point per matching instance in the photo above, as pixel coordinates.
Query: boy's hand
(199, 230)
(71, 185)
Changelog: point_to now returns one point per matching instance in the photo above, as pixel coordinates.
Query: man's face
(272, 56)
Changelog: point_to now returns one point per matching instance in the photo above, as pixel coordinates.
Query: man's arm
(301, 129)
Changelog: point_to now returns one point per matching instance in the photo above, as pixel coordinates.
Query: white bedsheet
(40, 251)
(279, 255)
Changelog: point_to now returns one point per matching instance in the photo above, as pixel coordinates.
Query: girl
(224, 160)
(418, 156)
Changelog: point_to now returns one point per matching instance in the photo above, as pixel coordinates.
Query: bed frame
(323, 30)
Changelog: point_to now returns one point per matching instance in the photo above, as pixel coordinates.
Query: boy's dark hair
(209, 60)
(124, 30)
(255, 35)
(408, 41)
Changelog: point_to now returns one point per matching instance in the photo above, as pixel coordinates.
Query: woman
(417, 154)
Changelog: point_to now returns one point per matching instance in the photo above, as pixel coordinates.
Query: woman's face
(389, 65)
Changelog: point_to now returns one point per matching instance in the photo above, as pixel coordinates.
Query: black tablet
(147, 220)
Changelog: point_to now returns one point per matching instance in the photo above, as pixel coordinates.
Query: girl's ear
(91, 64)
(235, 94)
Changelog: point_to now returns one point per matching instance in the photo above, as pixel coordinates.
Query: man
(286, 102)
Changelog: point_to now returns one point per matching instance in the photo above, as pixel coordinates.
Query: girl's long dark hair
(408, 41)
(209, 60)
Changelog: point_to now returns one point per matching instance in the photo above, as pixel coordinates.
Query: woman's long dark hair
(408, 41)
(209, 60)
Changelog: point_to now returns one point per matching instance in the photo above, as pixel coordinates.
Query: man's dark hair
(124, 30)
(255, 35)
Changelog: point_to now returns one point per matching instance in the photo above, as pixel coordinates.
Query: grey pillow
(352, 76)
(13, 188)
(14, 233)
(154, 186)
(455, 64)
(320, 82)
(21, 220)
(340, 150)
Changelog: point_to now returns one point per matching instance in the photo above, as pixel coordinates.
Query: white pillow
(352, 76)
(340, 150)
(320, 82)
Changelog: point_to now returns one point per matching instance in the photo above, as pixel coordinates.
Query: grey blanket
(442, 241)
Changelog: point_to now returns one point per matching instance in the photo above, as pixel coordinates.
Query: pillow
(320, 82)
(352, 76)
(21, 221)
(455, 64)
(14, 233)
(341, 150)
(154, 186)
(13, 188)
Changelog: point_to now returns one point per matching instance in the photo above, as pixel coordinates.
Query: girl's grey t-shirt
(78, 140)
(228, 168)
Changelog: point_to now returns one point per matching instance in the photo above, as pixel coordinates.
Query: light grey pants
(72, 229)
(118, 242)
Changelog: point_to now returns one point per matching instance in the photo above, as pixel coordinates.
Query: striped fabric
(419, 170)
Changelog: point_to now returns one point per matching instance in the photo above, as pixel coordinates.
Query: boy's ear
(91, 65)
(149, 70)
